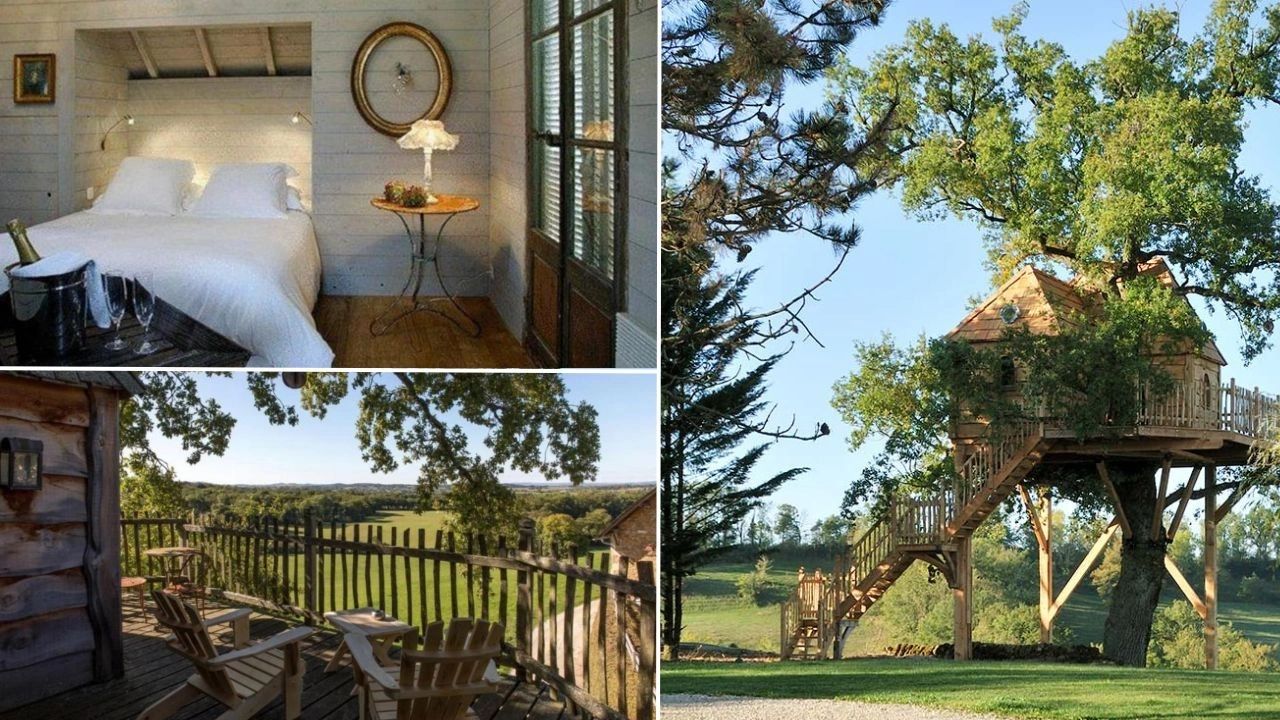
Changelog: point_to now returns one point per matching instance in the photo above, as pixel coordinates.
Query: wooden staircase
(927, 529)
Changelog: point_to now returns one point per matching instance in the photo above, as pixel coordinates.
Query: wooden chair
(244, 680)
(438, 681)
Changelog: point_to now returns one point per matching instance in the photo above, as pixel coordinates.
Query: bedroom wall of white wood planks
(364, 250)
(224, 119)
(507, 152)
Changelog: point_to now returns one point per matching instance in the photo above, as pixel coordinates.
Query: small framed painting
(35, 78)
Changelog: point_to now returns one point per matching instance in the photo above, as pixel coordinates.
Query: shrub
(752, 585)
(1177, 641)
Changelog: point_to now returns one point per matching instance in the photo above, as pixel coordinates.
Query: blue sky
(325, 451)
(910, 277)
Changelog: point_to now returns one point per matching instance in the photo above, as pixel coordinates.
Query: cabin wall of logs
(59, 582)
(574, 618)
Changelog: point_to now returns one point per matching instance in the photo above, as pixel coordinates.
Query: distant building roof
(127, 382)
(1047, 305)
(632, 509)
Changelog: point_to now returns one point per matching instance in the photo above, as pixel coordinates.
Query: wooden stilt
(1041, 514)
(1211, 567)
(963, 596)
(1046, 569)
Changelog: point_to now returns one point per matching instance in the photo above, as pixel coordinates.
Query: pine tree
(711, 402)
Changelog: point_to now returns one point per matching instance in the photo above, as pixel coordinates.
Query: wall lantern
(21, 464)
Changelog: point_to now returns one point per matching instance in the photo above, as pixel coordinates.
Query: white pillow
(246, 190)
(294, 201)
(146, 186)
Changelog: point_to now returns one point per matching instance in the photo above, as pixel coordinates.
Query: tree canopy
(436, 421)
(1101, 166)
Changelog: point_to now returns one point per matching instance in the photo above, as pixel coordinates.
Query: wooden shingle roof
(1046, 305)
(126, 382)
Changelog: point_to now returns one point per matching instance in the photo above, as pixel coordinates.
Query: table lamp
(428, 136)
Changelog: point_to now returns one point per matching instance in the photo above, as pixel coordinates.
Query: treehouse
(1200, 423)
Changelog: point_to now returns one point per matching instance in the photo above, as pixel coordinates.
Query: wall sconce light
(299, 117)
(21, 464)
(128, 119)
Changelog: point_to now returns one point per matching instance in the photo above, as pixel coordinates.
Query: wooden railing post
(309, 585)
(524, 597)
(648, 634)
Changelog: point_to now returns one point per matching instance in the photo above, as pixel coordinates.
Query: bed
(254, 281)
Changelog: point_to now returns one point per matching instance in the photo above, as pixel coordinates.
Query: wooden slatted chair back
(440, 679)
(191, 640)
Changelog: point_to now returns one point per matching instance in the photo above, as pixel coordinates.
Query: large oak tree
(1095, 169)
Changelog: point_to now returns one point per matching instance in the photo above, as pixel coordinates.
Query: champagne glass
(117, 292)
(144, 307)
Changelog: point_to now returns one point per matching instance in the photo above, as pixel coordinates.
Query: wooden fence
(584, 627)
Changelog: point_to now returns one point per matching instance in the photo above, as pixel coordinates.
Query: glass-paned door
(577, 140)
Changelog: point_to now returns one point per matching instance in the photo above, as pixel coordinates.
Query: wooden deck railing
(586, 628)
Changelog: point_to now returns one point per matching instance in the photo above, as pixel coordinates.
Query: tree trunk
(672, 590)
(1137, 593)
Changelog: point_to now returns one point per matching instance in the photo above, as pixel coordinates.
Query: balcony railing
(1198, 405)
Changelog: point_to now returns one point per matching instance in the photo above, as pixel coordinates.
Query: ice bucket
(49, 314)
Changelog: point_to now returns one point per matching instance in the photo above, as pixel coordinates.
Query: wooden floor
(152, 670)
(420, 340)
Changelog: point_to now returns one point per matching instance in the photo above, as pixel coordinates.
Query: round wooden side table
(449, 206)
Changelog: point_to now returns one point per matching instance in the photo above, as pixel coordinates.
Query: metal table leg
(418, 248)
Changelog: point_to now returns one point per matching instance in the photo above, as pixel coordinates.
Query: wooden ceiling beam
(203, 40)
(268, 51)
(147, 60)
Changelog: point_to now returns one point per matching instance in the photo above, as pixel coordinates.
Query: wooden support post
(1211, 568)
(1185, 586)
(962, 635)
(1157, 516)
(1041, 514)
(1083, 569)
(1046, 569)
(1184, 501)
(1115, 498)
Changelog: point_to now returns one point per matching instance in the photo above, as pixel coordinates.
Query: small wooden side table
(449, 206)
(382, 633)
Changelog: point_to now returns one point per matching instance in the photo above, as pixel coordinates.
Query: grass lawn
(1013, 689)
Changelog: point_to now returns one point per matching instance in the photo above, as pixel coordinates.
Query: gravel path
(704, 707)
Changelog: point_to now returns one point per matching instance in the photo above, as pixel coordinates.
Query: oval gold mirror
(403, 80)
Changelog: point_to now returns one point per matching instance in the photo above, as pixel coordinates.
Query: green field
(714, 614)
(1013, 689)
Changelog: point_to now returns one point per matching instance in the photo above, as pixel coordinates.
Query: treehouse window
(1206, 395)
(1008, 373)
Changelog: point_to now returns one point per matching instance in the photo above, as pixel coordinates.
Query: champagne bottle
(26, 251)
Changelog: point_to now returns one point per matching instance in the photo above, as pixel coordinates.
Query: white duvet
(254, 281)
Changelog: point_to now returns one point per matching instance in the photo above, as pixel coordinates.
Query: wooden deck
(420, 340)
(151, 670)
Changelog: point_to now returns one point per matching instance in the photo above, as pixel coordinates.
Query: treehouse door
(577, 180)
